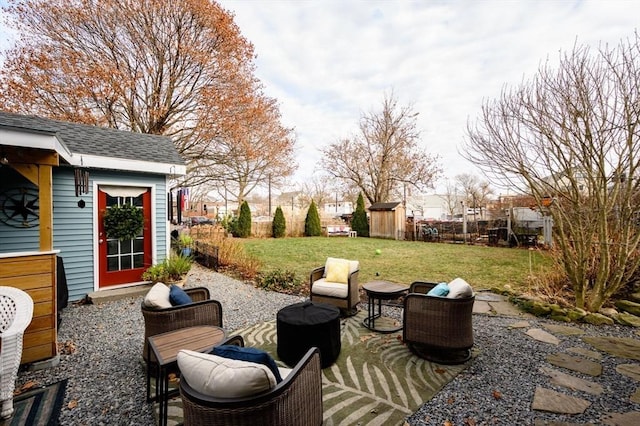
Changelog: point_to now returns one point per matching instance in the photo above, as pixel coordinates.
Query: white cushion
(158, 297)
(284, 372)
(459, 288)
(224, 377)
(322, 287)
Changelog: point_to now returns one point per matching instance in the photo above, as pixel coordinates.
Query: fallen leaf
(451, 400)
(440, 370)
(72, 404)
(67, 347)
(470, 422)
(497, 394)
(30, 384)
(447, 423)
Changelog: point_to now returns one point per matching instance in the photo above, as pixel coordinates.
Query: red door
(122, 262)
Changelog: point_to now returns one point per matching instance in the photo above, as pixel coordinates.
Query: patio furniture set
(222, 382)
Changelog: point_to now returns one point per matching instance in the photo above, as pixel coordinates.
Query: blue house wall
(15, 239)
(73, 226)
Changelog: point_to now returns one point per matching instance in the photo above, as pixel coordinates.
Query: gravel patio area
(101, 356)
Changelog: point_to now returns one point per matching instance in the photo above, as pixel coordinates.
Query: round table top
(384, 288)
(308, 313)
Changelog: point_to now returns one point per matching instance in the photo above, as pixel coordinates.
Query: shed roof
(81, 143)
(384, 206)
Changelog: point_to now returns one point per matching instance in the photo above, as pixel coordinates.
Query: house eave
(25, 138)
(123, 164)
(22, 138)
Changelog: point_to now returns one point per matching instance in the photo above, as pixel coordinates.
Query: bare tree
(180, 69)
(384, 156)
(451, 199)
(256, 150)
(320, 189)
(570, 138)
(476, 192)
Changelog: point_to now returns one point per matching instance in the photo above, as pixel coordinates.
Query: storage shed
(387, 220)
(57, 179)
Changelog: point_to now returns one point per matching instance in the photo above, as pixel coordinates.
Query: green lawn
(401, 261)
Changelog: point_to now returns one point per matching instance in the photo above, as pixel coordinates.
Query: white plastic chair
(16, 312)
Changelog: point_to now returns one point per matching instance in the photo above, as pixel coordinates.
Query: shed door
(122, 262)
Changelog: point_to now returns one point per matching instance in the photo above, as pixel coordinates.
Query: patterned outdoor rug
(376, 380)
(38, 407)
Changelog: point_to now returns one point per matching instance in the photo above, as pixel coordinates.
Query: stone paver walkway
(563, 368)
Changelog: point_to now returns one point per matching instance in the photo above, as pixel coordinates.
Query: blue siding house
(56, 181)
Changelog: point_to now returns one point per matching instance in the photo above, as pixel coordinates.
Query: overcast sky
(328, 62)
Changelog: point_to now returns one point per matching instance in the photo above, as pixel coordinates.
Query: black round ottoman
(303, 325)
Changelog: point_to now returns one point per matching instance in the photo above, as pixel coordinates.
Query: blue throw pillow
(440, 290)
(248, 354)
(177, 296)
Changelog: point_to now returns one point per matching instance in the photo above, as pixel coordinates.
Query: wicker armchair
(16, 312)
(348, 302)
(437, 328)
(203, 311)
(296, 401)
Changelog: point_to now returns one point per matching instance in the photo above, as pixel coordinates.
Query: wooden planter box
(35, 273)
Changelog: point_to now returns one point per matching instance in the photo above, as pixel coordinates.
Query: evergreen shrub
(279, 224)
(312, 226)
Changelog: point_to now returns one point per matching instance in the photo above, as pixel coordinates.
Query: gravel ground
(101, 357)
(499, 385)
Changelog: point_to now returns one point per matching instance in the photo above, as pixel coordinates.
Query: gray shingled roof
(100, 141)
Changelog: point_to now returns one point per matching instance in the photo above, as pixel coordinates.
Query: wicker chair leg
(446, 357)
(348, 312)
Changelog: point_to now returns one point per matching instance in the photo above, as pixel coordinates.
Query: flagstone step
(542, 336)
(575, 363)
(589, 362)
(571, 382)
(556, 402)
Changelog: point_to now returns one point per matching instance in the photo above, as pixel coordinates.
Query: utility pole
(291, 215)
(464, 223)
(269, 194)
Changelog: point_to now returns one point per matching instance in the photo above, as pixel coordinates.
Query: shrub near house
(172, 269)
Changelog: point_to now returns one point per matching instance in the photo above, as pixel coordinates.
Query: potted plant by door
(185, 245)
(172, 270)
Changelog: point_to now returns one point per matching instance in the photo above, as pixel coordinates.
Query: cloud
(328, 62)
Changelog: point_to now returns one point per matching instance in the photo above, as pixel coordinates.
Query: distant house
(434, 206)
(56, 181)
(338, 208)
